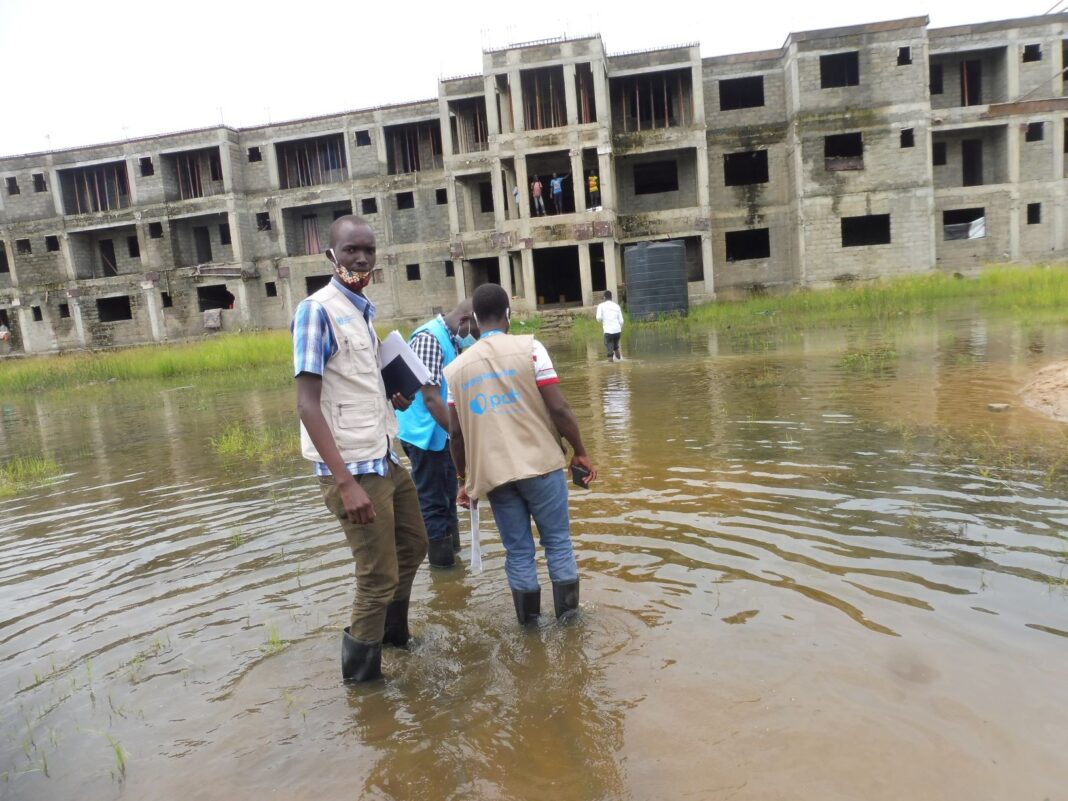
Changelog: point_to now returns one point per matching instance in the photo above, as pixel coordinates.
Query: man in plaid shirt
(424, 427)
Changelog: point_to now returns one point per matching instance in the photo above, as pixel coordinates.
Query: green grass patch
(268, 447)
(25, 472)
(1023, 291)
(225, 353)
(876, 359)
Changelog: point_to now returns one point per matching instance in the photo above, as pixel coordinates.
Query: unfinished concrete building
(852, 153)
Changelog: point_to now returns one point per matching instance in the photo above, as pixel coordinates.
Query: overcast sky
(85, 72)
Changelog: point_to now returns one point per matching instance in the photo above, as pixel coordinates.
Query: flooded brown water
(803, 577)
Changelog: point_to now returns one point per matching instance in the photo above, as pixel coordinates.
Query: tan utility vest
(354, 397)
(508, 434)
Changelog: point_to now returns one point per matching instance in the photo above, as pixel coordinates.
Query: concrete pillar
(1014, 137)
(500, 200)
(504, 265)
(517, 289)
(227, 166)
(237, 244)
(493, 125)
(272, 160)
(611, 269)
(707, 264)
(458, 270)
(515, 91)
(601, 95)
(9, 251)
(585, 276)
(452, 188)
(278, 226)
(530, 291)
(702, 179)
(241, 302)
(131, 181)
(1057, 212)
(469, 211)
(578, 179)
(605, 178)
(78, 320)
(32, 340)
(447, 145)
(1012, 71)
(523, 182)
(570, 100)
(155, 310)
(57, 190)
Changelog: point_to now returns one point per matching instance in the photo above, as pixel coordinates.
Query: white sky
(82, 72)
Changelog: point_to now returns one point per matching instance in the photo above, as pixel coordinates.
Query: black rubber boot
(565, 597)
(396, 632)
(439, 552)
(454, 533)
(527, 606)
(360, 661)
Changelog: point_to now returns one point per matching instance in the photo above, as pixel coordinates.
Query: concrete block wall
(426, 222)
(28, 204)
(740, 277)
(185, 252)
(86, 256)
(972, 255)
(995, 155)
(1039, 241)
(685, 196)
(767, 66)
(1036, 158)
(909, 250)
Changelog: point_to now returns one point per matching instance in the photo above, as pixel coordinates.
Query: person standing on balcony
(535, 192)
(557, 186)
(595, 189)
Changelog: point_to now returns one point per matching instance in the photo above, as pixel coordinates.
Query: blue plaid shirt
(314, 345)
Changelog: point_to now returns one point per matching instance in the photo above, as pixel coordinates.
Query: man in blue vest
(424, 429)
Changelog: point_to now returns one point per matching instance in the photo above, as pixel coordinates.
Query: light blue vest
(417, 427)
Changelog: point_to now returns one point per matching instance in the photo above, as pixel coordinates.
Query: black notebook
(402, 370)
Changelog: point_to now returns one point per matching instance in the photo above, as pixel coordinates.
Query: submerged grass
(25, 472)
(1020, 290)
(267, 446)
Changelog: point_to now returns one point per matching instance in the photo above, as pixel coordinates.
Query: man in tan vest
(506, 417)
(348, 432)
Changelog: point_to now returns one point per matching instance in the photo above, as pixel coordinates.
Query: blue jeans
(435, 481)
(544, 498)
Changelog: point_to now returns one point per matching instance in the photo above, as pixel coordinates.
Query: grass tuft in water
(268, 446)
(25, 472)
(877, 359)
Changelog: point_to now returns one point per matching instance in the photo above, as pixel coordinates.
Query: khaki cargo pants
(388, 551)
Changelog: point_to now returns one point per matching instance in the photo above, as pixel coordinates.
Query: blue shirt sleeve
(313, 339)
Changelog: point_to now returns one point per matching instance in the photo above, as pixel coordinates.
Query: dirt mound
(1047, 392)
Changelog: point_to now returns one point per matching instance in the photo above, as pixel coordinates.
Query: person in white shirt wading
(610, 316)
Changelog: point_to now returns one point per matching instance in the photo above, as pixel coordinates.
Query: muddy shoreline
(1047, 392)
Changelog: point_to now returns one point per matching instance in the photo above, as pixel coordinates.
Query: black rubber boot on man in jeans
(454, 534)
(527, 606)
(360, 661)
(565, 597)
(439, 552)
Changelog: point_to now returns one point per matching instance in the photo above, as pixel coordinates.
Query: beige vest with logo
(354, 397)
(508, 434)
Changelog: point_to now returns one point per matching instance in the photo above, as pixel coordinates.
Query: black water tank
(656, 279)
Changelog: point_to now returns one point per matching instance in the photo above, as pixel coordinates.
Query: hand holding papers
(402, 370)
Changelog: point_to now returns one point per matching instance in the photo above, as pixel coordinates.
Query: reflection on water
(797, 565)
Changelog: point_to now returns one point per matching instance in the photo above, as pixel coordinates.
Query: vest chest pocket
(357, 352)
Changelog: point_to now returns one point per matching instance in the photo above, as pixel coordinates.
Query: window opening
(872, 229)
(113, 310)
(147, 167)
(133, 247)
(271, 289)
(744, 245)
(963, 224)
(263, 221)
(840, 69)
(843, 152)
(363, 138)
(1034, 213)
(51, 243)
(155, 230)
(741, 169)
(405, 200)
(656, 176)
(735, 93)
(39, 184)
(214, 296)
(412, 271)
(904, 56)
(254, 155)
(908, 138)
(369, 205)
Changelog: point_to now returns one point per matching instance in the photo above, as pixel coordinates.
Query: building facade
(848, 154)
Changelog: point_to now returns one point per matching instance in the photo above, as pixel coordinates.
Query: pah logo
(483, 402)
